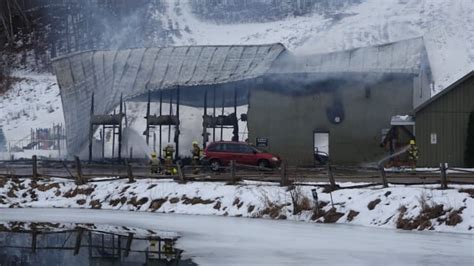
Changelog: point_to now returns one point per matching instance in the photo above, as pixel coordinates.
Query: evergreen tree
(469, 153)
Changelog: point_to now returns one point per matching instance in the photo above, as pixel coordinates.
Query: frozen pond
(211, 240)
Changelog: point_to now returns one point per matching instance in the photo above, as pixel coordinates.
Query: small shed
(441, 124)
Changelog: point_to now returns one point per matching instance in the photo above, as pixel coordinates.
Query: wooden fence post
(129, 172)
(80, 177)
(444, 180)
(332, 182)
(232, 172)
(35, 167)
(384, 176)
(284, 176)
(181, 177)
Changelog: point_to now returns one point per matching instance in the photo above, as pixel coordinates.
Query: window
(216, 147)
(246, 149)
(234, 148)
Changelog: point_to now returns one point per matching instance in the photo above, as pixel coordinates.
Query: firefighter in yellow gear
(168, 152)
(196, 156)
(168, 249)
(413, 154)
(154, 163)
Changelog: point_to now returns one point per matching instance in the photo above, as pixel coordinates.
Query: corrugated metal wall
(288, 121)
(447, 117)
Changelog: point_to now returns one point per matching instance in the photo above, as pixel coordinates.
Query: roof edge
(444, 91)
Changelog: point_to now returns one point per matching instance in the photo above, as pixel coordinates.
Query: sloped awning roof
(133, 72)
(406, 56)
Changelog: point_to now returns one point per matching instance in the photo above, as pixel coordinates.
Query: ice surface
(241, 241)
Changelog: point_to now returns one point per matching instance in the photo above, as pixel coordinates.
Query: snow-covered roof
(398, 57)
(402, 120)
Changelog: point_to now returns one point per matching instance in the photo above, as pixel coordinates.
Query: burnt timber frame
(152, 121)
(113, 122)
(222, 121)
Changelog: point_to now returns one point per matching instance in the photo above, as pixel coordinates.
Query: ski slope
(446, 25)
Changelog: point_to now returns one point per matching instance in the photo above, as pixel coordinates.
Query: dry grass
(217, 206)
(81, 201)
(137, 203)
(115, 202)
(157, 203)
(469, 191)
(195, 200)
(299, 200)
(46, 187)
(351, 215)
(271, 209)
(174, 200)
(250, 208)
(454, 218)
(423, 220)
(76, 191)
(95, 204)
(330, 216)
(373, 204)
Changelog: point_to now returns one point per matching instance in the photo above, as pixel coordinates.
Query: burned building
(130, 74)
(339, 103)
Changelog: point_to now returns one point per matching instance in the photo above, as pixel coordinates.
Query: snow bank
(414, 207)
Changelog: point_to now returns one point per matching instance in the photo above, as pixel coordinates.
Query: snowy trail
(240, 241)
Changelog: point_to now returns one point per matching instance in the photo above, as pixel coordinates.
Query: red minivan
(220, 153)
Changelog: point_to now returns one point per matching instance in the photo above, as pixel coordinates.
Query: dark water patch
(86, 244)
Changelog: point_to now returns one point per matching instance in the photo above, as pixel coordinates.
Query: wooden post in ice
(444, 180)
(284, 176)
(384, 176)
(35, 167)
(77, 245)
(332, 182)
(128, 244)
(79, 177)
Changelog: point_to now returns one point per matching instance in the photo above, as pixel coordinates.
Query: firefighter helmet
(195, 143)
(153, 155)
(412, 142)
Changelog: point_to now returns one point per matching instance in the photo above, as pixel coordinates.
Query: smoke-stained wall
(365, 107)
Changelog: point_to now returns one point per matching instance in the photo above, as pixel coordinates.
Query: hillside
(319, 26)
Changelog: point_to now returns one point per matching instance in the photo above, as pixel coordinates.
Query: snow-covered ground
(446, 25)
(33, 102)
(408, 207)
(233, 241)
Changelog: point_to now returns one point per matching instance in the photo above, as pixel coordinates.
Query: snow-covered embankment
(414, 207)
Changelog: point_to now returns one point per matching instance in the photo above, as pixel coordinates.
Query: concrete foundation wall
(288, 121)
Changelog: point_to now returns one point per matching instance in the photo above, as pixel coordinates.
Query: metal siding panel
(145, 70)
